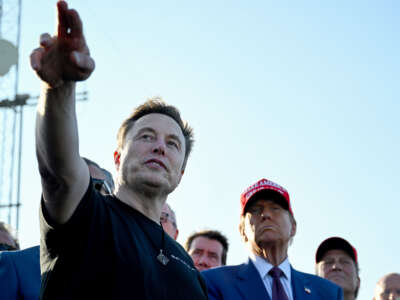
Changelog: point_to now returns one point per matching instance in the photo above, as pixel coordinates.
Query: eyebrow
(171, 135)
(176, 138)
(144, 129)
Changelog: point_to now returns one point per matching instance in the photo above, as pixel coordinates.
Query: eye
(146, 137)
(196, 252)
(173, 144)
(328, 262)
(346, 262)
(214, 257)
(256, 210)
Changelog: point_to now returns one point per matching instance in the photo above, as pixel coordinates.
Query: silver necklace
(161, 257)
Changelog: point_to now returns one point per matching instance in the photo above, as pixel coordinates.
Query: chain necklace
(161, 257)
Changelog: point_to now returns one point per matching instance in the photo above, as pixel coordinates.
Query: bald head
(388, 287)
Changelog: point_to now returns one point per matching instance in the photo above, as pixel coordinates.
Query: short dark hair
(212, 235)
(157, 105)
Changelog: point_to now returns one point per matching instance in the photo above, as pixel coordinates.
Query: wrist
(66, 90)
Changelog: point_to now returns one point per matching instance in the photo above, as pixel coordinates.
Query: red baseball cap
(264, 185)
(335, 243)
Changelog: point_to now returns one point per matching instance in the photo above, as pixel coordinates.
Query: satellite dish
(8, 56)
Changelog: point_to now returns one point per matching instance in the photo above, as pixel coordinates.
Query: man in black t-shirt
(96, 246)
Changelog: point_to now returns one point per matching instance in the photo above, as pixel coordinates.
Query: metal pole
(1, 16)
(20, 120)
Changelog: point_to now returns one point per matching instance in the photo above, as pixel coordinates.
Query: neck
(148, 204)
(349, 296)
(275, 255)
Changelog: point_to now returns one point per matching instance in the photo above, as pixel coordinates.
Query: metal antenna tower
(10, 116)
(11, 112)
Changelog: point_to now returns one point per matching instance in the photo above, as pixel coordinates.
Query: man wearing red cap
(336, 260)
(267, 226)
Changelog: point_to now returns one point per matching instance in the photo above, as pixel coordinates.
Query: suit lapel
(250, 284)
(301, 287)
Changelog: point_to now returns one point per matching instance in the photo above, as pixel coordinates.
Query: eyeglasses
(165, 217)
(101, 185)
(6, 247)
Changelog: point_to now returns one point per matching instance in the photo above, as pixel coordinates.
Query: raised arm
(60, 61)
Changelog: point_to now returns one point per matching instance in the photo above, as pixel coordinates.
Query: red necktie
(278, 292)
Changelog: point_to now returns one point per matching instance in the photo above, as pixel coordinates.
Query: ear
(117, 157)
(294, 227)
(176, 234)
(181, 175)
(241, 229)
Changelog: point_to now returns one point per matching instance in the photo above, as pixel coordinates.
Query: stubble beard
(143, 183)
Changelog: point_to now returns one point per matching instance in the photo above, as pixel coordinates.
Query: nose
(203, 261)
(337, 265)
(266, 214)
(159, 148)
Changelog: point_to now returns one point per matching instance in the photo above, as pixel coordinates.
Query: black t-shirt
(108, 250)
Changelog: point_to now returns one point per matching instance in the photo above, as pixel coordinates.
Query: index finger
(62, 19)
(69, 22)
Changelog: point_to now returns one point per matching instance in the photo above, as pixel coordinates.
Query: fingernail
(44, 40)
(77, 57)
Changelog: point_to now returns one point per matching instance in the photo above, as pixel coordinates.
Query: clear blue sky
(305, 93)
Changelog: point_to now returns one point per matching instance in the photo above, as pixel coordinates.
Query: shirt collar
(263, 266)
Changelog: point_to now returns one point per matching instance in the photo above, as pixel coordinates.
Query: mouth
(336, 276)
(267, 227)
(200, 267)
(156, 162)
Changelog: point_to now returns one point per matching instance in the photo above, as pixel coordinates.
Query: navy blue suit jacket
(243, 282)
(20, 274)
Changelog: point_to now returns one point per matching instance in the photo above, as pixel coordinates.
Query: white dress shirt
(263, 267)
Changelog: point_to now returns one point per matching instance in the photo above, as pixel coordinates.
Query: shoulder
(21, 257)
(5, 257)
(320, 285)
(224, 273)
(314, 278)
(8, 275)
(32, 251)
(230, 282)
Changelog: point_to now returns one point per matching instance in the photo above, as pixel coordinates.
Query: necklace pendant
(162, 258)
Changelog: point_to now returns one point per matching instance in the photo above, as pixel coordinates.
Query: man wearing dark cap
(267, 226)
(336, 260)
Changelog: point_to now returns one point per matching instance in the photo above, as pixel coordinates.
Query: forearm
(60, 61)
(57, 144)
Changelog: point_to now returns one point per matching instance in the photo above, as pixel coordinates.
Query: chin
(157, 182)
(200, 268)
